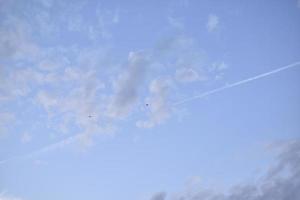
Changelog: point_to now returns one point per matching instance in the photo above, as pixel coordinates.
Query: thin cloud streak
(46, 148)
(205, 94)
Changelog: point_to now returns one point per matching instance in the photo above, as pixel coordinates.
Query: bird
(90, 116)
(147, 104)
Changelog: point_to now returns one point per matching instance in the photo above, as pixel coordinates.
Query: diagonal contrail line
(208, 93)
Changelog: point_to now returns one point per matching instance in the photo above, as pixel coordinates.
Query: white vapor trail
(205, 94)
(44, 149)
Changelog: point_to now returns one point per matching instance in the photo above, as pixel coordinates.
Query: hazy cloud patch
(6, 119)
(188, 75)
(159, 196)
(127, 85)
(218, 69)
(158, 107)
(212, 23)
(5, 196)
(26, 137)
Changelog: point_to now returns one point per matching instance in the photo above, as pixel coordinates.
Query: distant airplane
(90, 116)
(147, 104)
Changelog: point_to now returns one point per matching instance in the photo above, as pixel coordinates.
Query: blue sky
(104, 100)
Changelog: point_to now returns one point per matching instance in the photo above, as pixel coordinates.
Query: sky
(149, 100)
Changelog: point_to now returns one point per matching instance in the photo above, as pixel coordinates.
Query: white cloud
(178, 46)
(40, 162)
(20, 82)
(5, 196)
(212, 23)
(73, 108)
(116, 16)
(53, 64)
(106, 18)
(26, 137)
(47, 3)
(176, 23)
(6, 119)
(218, 68)
(188, 75)
(15, 42)
(159, 109)
(46, 100)
(71, 74)
(159, 196)
(127, 86)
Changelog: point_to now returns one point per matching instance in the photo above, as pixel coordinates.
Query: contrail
(44, 149)
(205, 94)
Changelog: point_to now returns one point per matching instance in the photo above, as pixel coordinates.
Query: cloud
(46, 100)
(26, 137)
(212, 23)
(218, 69)
(5, 196)
(20, 82)
(281, 181)
(176, 53)
(159, 108)
(106, 19)
(181, 54)
(176, 23)
(6, 118)
(188, 75)
(15, 42)
(116, 16)
(74, 108)
(159, 196)
(219, 66)
(39, 162)
(127, 85)
(53, 64)
(174, 46)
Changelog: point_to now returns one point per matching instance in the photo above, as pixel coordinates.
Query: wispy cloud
(188, 75)
(127, 85)
(15, 41)
(176, 23)
(6, 118)
(5, 196)
(158, 107)
(26, 137)
(45, 149)
(218, 68)
(212, 23)
(159, 196)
